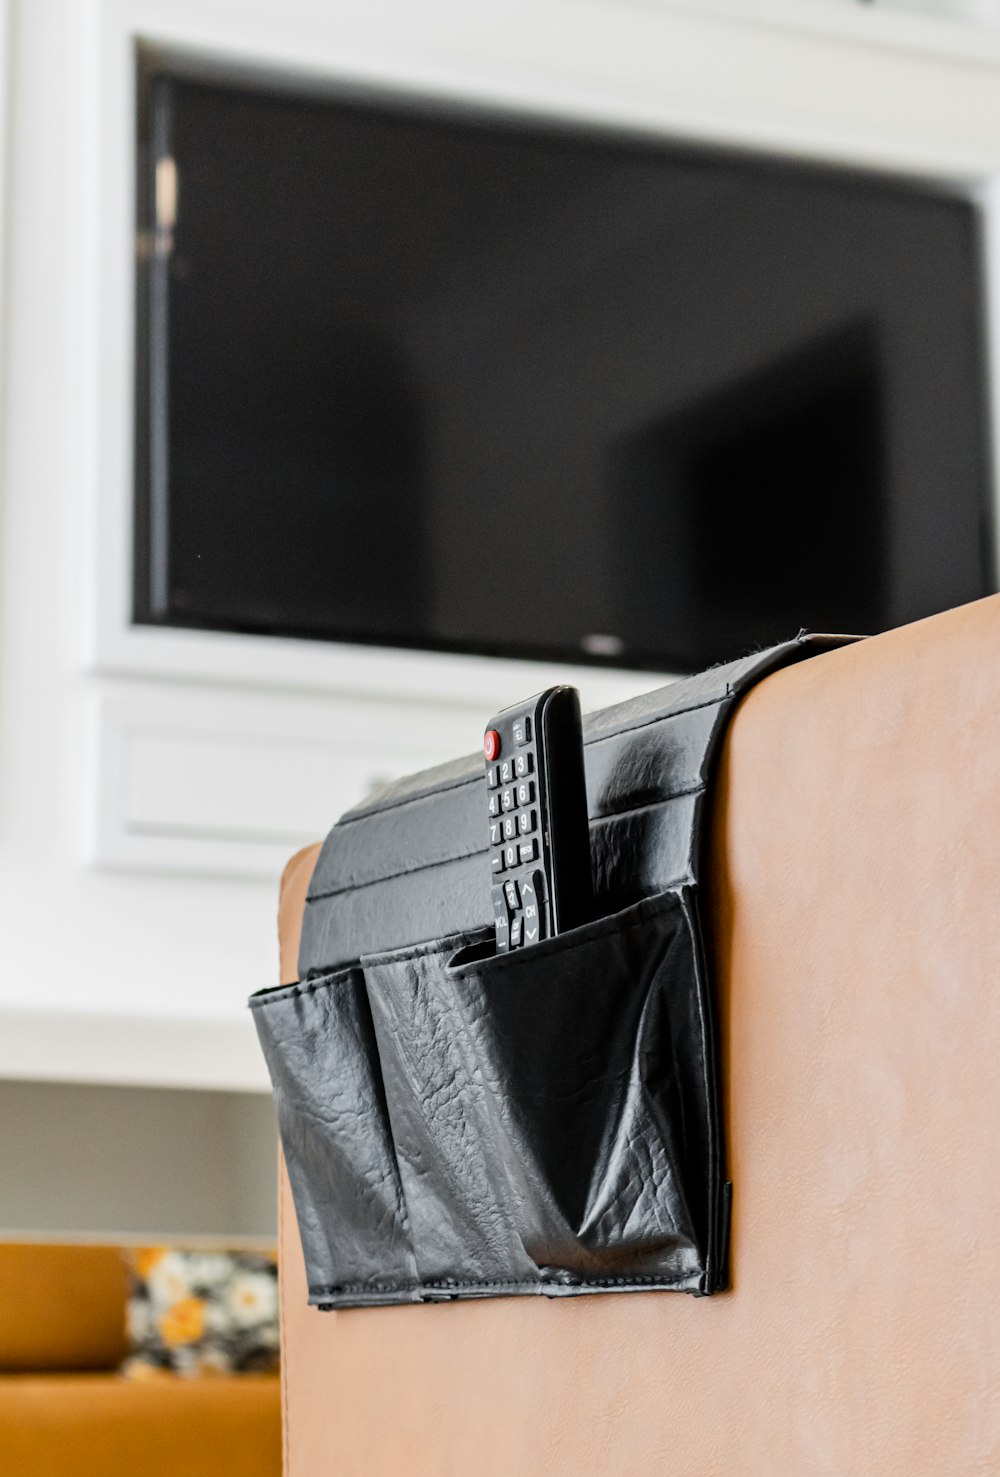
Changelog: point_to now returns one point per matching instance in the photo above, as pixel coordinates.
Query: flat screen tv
(433, 378)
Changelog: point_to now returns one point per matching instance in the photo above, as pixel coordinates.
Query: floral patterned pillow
(201, 1312)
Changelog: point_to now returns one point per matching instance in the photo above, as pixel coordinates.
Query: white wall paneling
(862, 89)
(136, 969)
(200, 780)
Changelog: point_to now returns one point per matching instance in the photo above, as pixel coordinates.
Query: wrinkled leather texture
(411, 865)
(540, 1122)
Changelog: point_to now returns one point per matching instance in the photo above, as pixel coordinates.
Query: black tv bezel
(627, 140)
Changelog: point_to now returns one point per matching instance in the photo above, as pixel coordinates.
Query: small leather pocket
(549, 1106)
(320, 1048)
(543, 1121)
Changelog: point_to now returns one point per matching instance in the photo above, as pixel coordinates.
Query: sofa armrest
(854, 921)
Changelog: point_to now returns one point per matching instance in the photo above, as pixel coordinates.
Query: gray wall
(135, 1162)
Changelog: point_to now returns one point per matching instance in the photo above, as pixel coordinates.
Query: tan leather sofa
(66, 1412)
(855, 921)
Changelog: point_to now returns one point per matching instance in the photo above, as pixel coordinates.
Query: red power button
(491, 743)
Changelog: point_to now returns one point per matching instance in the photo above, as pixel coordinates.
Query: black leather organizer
(458, 1123)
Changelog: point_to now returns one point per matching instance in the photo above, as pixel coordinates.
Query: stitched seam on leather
(339, 1289)
(462, 856)
(350, 820)
(667, 896)
(666, 901)
(715, 1253)
(705, 1021)
(608, 815)
(730, 691)
(711, 702)
(302, 987)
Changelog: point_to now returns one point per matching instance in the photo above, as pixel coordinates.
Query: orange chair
(65, 1410)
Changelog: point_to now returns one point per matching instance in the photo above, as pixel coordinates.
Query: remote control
(539, 835)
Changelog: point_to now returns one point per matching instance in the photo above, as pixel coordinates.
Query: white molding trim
(890, 23)
(230, 783)
(214, 1053)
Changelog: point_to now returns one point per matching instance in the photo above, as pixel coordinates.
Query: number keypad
(519, 882)
(536, 788)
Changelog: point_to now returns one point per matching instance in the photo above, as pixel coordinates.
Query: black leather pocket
(320, 1048)
(551, 1115)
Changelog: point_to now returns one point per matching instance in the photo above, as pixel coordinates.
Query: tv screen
(431, 378)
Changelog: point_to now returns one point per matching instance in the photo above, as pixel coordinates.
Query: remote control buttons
(518, 903)
(502, 920)
(532, 893)
(516, 834)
